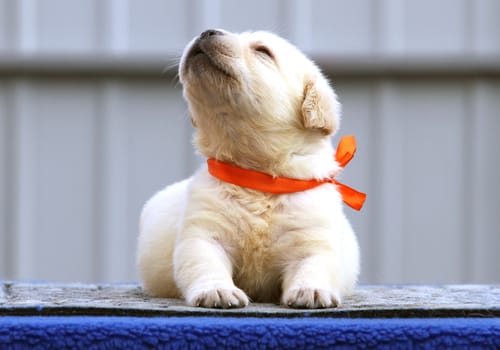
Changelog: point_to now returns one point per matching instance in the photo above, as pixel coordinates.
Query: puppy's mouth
(205, 54)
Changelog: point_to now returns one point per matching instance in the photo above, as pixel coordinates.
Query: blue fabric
(85, 332)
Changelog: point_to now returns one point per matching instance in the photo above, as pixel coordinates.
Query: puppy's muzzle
(213, 48)
(203, 44)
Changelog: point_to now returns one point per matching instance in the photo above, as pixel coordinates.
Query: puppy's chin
(211, 93)
(212, 81)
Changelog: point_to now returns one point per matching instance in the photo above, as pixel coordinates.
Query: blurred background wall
(92, 123)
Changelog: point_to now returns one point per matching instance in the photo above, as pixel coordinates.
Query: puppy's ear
(320, 108)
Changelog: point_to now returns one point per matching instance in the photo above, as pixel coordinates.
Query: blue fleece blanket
(85, 332)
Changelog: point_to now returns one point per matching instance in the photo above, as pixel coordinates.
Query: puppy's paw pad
(310, 298)
(221, 298)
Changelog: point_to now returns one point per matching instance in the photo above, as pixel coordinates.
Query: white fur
(217, 244)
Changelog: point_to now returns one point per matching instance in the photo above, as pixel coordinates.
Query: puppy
(257, 103)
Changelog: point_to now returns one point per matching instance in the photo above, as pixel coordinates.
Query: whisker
(176, 79)
(173, 64)
(172, 69)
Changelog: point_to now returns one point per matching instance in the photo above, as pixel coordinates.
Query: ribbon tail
(350, 196)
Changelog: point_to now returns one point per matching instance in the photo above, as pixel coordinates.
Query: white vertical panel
(359, 119)
(64, 112)
(146, 148)
(24, 229)
(6, 24)
(434, 179)
(26, 20)
(484, 236)
(241, 16)
(423, 182)
(435, 27)
(67, 25)
(114, 134)
(344, 27)
(4, 32)
(114, 31)
(390, 228)
(4, 173)
(157, 25)
(390, 18)
(486, 26)
(298, 25)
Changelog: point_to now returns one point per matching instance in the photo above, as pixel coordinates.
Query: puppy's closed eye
(264, 50)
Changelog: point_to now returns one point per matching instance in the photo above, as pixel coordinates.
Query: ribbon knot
(280, 185)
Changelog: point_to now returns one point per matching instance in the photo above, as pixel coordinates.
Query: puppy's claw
(309, 298)
(221, 298)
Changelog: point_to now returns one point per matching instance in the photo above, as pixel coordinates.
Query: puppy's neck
(276, 156)
(319, 164)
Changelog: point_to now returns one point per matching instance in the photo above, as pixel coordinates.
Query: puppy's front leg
(203, 273)
(310, 283)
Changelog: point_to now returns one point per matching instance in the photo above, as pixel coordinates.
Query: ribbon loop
(345, 150)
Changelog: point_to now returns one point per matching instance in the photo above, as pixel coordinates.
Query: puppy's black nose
(210, 32)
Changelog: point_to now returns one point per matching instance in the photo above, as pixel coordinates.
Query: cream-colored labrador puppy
(258, 103)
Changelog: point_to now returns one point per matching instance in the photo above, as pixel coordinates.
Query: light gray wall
(91, 125)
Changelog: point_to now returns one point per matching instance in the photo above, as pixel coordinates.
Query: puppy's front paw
(221, 298)
(310, 298)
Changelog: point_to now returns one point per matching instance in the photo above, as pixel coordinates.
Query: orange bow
(280, 185)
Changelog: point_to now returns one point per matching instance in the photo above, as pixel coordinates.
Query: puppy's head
(255, 98)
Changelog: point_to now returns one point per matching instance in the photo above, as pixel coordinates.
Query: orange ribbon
(263, 182)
